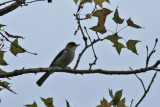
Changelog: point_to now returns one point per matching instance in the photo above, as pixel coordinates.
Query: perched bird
(49, 1)
(63, 59)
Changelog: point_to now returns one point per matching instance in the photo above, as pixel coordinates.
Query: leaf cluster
(14, 48)
(102, 15)
(117, 101)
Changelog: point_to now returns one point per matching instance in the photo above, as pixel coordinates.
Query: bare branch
(80, 55)
(72, 71)
(141, 82)
(95, 56)
(131, 103)
(6, 2)
(10, 8)
(14, 5)
(145, 93)
(80, 27)
(95, 7)
(151, 53)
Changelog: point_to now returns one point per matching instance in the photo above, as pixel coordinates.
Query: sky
(47, 28)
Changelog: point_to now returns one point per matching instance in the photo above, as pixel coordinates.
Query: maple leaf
(67, 103)
(113, 38)
(2, 61)
(16, 48)
(131, 45)
(104, 103)
(101, 14)
(118, 47)
(131, 23)
(32, 105)
(85, 1)
(117, 18)
(48, 102)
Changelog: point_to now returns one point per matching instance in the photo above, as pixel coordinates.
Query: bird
(63, 59)
(49, 1)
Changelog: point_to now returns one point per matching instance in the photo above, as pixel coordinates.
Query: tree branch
(145, 93)
(80, 55)
(13, 6)
(6, 2)
(151, 53)
(95, 56)
(10, 8)
(72, 71)
(141, 82)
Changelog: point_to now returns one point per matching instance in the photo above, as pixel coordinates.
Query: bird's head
(71, 45)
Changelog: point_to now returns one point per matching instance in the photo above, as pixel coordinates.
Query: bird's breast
(65, 59)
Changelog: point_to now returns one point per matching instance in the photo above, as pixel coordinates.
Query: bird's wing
(59, 54)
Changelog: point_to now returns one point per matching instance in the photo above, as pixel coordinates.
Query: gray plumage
(63, 59)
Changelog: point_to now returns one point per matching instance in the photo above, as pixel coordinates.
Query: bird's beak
(77, 45)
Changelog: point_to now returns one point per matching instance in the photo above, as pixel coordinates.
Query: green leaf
(32, 105)
(85, 1)
(122, 103)
(118, 47)
(100, 29)
(101, 14)
(16, 48)
(76, 1)
(131, 45)
(111, 93)
(67, 103)
(113, 38)
(104, 103)
(48, 102)
(2, 61)
(99, 2)
(116, 17)
(117, 97)
(1, 25)
(13, 36)
(5, 85)
(2, 71)
(107, 1)
(131, 23)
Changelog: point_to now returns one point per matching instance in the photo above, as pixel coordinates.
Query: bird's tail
(42, 79)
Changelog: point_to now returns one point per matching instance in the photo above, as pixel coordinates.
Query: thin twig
(85, 48)
(95, 7)
(97, 35)
(79, 24)
(122, 28)
(141, 82)
(151, 53)
(116, 28)
(76, 31)
(145, 93)
(131, 103)
(95, 56)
